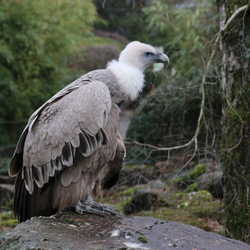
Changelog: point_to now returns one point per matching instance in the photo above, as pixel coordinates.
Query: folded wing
(49, 142)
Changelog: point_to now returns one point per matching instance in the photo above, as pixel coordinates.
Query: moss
(197, 171)
(199, 205)
(202, 195)
(207, 228)
(7, 221)
(6, 216)
(178, 194)
(183, 204)
(143, 239)
(177, 181)
(69, 221)
(192, 187)
(128, 192)
(139, 232)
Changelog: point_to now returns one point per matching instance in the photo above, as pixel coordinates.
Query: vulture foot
(89, 206)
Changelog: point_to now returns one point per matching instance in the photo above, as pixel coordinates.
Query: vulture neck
(129, 78)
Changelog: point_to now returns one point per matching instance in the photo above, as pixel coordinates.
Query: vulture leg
(89, 206)
(107, 178)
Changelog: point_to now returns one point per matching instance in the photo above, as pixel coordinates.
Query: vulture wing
(72, 125)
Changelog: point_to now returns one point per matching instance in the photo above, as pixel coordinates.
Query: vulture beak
(161, 58)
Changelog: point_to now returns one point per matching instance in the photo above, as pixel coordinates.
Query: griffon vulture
(71, 147)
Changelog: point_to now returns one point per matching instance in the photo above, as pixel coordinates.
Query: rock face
(72, 231)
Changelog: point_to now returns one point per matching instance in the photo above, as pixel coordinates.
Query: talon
(89, 206)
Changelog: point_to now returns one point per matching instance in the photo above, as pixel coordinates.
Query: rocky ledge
(69, 230)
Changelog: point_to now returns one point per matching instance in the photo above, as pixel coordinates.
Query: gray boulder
(144, 197)
(90, 232)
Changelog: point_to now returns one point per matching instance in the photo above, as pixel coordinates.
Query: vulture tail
(25, 204)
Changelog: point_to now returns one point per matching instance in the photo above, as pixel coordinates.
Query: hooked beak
(161, 58)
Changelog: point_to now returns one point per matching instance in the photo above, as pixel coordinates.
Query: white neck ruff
(130, 79)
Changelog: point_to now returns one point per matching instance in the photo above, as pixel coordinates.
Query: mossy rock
(197, 171)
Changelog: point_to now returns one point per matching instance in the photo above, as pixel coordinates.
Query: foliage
(35, 38)
(123, 18)
(159, 120)
(94, 57)
(168, 116)
(183, 30)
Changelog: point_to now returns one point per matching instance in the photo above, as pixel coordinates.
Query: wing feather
(75, 121)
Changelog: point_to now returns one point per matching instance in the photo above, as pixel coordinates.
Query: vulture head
(141, 55)
(128, 69)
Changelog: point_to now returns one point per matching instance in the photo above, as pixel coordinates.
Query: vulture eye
(148, 53)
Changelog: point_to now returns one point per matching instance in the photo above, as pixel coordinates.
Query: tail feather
(28, 205)
(25, 205)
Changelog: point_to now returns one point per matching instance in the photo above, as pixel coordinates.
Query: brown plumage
(71, 147)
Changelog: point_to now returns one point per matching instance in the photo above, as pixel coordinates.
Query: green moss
(128, 192)
(143, 239)
(203, 194)
(197, 171)
(179, 194)
(207, 228)
(183, 204)
(6, 216)
(139, 232)
(192, 187)
(177, 181)
(69, 221)
(7, 221)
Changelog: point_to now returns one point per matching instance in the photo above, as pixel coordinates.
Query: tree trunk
(235, 79)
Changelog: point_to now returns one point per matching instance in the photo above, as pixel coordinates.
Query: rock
(213, 181)
(6, 193)
(73, 231)
(144, 197)
(210, 177)
(141, 200)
